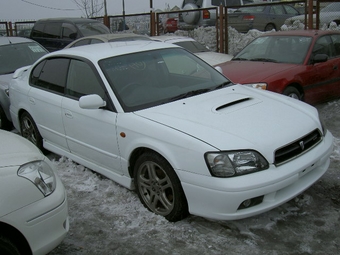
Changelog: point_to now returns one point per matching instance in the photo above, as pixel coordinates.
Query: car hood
(238, 117)
(251, 72)
(16, 152)
(214, 58)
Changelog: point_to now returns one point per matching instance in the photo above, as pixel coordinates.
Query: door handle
(68, 114)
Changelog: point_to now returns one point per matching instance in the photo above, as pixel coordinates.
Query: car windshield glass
(146, 79)
(278, 49)
(333, 7)
(14, 56)
(192, 46)
(252, 9)
(94, 28)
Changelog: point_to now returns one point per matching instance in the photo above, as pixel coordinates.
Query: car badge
(302, 145)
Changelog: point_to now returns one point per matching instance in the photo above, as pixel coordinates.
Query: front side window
(50, 74)
(145, 79)
(93, 28)
(82, 80)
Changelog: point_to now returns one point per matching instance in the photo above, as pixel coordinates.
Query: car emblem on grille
(302, 145)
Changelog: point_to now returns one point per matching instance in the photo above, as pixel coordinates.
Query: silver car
(15, 52)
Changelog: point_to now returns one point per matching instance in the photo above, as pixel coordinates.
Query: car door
(90, 133)
(326, 74)
(47, 81)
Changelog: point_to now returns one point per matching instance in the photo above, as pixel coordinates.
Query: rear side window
(52, 30)
(50, 75)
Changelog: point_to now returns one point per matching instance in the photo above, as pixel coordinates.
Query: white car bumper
(220, 198)
(44, 228)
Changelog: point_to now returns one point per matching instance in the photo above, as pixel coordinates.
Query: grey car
(261, 17)
(15, 52)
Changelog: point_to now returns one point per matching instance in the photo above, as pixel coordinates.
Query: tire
(159, 188)
(269, 27)
(4, 122)
(7, 247)
(292, 92)
(191, 17)
(30, 131)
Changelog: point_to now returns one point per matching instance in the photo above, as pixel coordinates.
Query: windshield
(14, 56)
(94, 28)
(192, 46)
(146, 79)
(278, 49)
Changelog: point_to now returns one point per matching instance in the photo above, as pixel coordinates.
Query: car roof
(114, 36)
(171, 38)
(96, 52)
(4, 40)
(313, 33)
(65, 19)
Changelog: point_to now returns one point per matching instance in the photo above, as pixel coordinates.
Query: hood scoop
(233, 103)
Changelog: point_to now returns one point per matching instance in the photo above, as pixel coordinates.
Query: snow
(106, 218)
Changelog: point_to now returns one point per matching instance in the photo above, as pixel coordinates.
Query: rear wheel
(269, 27)
(159, 188)
(7, 247)
(292, 92)
(30, 131)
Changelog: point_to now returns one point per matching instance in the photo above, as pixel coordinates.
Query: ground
(106, 218)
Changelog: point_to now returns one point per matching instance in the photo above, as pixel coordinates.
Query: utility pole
(123, 15)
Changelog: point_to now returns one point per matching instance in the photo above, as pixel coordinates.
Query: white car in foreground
(154, 117)
(33, 211)
(211, 57)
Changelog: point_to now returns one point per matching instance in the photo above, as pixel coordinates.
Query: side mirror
(319, 58)
(91, 102)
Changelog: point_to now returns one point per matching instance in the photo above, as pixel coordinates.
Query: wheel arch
(298, 87)
(16, 237)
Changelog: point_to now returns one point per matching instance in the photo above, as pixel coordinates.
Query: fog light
(250, 202)
(246, 203)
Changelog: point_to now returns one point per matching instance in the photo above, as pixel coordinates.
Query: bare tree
(90, 8)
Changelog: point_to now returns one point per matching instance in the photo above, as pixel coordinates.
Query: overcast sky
(17, 10)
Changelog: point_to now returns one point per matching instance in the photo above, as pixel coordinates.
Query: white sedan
(201, 51)
(156, 118)
(33, 211)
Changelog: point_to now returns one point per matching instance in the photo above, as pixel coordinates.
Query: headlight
(260, 85)
(40, 174)
(234, 163)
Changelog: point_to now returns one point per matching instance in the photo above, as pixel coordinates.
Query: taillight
(206, 14)
(248, 17)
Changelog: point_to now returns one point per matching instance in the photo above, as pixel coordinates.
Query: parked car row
(164, 120)
(156, 118)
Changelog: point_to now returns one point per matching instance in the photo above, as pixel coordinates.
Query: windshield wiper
(189, 94)
(242, 59)
(224, 84)
(263, 59)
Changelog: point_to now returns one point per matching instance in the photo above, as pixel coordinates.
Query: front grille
(297, 147)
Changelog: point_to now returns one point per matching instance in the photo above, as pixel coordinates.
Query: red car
(303, 64)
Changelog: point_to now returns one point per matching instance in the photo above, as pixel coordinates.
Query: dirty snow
(106, 218)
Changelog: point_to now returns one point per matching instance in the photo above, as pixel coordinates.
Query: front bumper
(220, 198)
(44, 223)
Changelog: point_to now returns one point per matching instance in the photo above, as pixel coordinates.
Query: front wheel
(292, 92)
(159, 188)
(269, 27)
(30, 131)
(4, 122)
